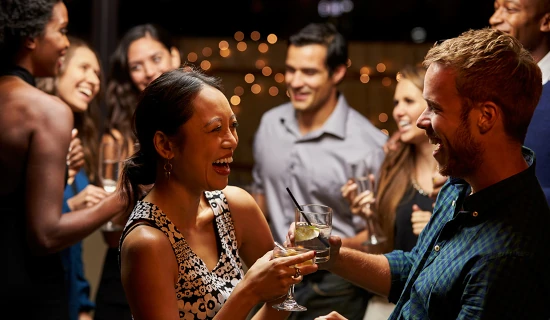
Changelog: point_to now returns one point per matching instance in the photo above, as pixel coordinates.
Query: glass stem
(290, 295)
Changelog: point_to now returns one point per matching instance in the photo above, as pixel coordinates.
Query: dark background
(370, 20)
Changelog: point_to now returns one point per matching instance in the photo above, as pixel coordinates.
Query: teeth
(224, 160)
(86, 91)
(403, 123)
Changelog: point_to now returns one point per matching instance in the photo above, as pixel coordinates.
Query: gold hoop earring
(167, 169)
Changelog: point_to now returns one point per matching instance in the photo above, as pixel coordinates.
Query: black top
(404, 238)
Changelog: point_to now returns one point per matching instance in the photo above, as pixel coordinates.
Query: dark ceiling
(370, 20)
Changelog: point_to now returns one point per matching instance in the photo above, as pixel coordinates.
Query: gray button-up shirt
(313, 166)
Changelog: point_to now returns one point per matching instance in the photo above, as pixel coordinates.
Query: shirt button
(453, 203)
(474, 214)
(436, 248)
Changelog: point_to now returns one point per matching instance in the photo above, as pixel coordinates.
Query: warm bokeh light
(256, 88)
(263, 47)
(273, 91)
(255, 35)
(239, 36)
(272, 38)
(192, 57)
(386, 81)
(260, 64)
(241, 46)
(364, 78)
(279, 77)
(266, 71)
(205, 64)
(207, 51)
(380, 67)
(384, 131)
(223, 45)
(249, 78)
(238, 91)
(225, 53)
(383, 117)
(236, 109)
(364, 70)
(235, 100)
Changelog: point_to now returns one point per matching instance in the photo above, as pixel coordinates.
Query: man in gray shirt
(310, 145)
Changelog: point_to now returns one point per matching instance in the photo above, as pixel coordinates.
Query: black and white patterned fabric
(200, 292)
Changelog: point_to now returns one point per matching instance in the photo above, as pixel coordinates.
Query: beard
(464, 156)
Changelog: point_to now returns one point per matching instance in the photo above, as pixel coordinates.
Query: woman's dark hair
(164, 105)
(19, 20)
(87, 123)
(121, 93)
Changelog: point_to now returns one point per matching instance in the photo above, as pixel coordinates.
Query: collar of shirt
(335, 124)
(544, 65)
(483, 201)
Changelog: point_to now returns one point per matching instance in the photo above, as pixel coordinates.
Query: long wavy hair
(397, 170)
(122, 94)
(87, 122)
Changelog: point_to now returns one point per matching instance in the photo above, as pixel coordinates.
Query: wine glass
(290, 303)
(109, 171)
(365, 182)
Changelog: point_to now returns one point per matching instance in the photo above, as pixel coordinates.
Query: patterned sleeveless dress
(200, 292)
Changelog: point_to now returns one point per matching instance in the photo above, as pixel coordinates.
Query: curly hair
(22, 19)
(492, 66)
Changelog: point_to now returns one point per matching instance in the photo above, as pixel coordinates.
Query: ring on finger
(298, 273)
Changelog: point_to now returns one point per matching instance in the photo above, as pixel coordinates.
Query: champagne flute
(365, 182)
(290, 303)
(109, 171)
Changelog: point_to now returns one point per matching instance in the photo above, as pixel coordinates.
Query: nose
(424, 120)
(496, 17)
(295, 80)
(231, 140)
(92, 78)
(150, 71)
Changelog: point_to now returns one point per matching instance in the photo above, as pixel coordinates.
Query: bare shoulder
(145, 242)
(238, 198)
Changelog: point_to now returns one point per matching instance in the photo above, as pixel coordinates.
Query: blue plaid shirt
(483, 256)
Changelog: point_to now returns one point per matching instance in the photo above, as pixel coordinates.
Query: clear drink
(309, 236)
(109, 185)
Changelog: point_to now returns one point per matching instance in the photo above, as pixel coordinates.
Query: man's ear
(339, 73)
(545, 23)
(163, 145)
(488, 116)
(175, 57)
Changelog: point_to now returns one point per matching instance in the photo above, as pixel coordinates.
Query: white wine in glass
(290, 303)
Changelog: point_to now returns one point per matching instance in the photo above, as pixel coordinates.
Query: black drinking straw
(303, 215)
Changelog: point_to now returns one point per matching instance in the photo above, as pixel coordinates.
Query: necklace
(417, 187)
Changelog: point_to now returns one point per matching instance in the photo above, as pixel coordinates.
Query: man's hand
(332, 316)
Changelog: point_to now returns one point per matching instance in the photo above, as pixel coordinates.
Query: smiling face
(79, 83)
(307, 77)
(50, 47)
(209, 139)
(521, 19)
(408, 105)
(148, 59)
(457, 152)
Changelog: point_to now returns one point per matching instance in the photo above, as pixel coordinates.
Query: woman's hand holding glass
(270, 278)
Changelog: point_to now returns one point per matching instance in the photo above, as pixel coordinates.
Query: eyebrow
(218, 119)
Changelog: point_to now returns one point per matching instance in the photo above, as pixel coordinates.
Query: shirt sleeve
(504, 287)
(400, 266)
